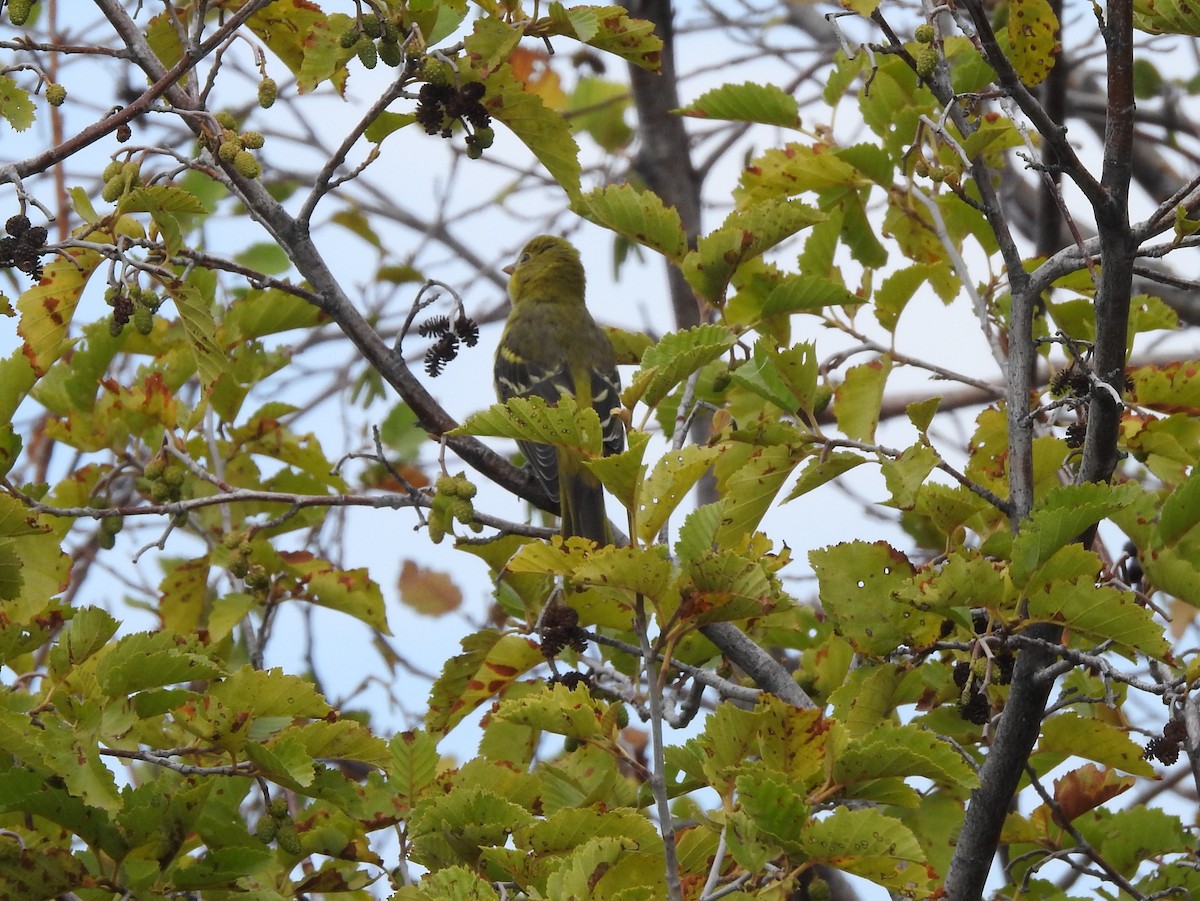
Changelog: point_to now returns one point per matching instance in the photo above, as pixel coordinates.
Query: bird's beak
(508, 270)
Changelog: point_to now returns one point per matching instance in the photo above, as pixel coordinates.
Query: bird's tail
(581, 499)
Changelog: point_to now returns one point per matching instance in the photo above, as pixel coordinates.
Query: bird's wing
(521, 377)
(606, 397)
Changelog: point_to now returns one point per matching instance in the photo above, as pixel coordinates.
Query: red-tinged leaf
(350, 591)
(607, 28)
(1170, 388)
(748, 102)
(489, 664)
(48, 307)
(1087, 788)
(428, 591)
(795, 169)
(1167, 17)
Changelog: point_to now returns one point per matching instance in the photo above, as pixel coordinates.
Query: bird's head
(547, 269)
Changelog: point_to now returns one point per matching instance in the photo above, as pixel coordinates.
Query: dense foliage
(708, 725)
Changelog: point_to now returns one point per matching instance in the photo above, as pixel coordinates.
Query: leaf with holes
(862, 587)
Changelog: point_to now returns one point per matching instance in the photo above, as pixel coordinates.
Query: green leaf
(35, 567)
(343, 740)
(639, 570)
(858, 231)
(265, 693)
(868, 696)
(150, 660)
(260, 313)
(491, 43)
(1060, 518)
(1180, 511)
(748, 102)
(727, 585)
(1168, 388)
(200, 326)
(671, 479)
(609, 868)
(1064, 592)
(539, 128)
(640, 216)
(862, 589)
(42, 872)
(744, 235)
(857, 400)
(597, 106)
(673, 359)
(871, 845)
(1166, 17)
(437, 19)
(967, 579)
(751, 486)
(555, 557)
(414, 764)
(775, 806)
(17, 377)
(532, 419)
(458, 882)
(558, 710)
(907, 474)
(266, 257)
(621, 474)
(896, 291)
(87, 633)
(906, 751)
(788, 740)
(1176, 571)
(15, 105)
(872, 161)
(283, 761)
(1070, 735)
(1125, 838)
(611, 29)
(165, 204)
(920, 412)
(794, 169)
(306, 41)
(806, 294)
(447, 829)
(565, 830)
(698, 533)
(762, 375)
(823, 469)
(386, 123)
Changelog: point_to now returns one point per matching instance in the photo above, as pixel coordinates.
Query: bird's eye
(525, 258)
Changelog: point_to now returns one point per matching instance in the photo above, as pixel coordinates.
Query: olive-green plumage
(552, 347)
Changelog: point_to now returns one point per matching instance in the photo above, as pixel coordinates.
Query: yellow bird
(552, 347)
